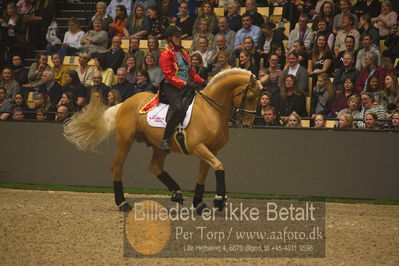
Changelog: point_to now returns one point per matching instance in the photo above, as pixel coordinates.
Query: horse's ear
(252, 79)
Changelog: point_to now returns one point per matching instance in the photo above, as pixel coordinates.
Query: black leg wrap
(165, 178)
(220, 183)
(198, 194)
(118, 192)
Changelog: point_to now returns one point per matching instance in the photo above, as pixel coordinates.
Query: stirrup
(165, 146)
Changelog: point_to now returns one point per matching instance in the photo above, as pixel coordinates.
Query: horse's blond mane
(225, 73)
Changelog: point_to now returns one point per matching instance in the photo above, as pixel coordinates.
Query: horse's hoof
(177, 197)
(219, 202)
(125, 207)
(201, 207)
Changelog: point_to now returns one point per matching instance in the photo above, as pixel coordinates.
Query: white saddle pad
(157, 116)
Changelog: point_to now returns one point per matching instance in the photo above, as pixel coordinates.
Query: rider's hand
(191, 84)
(205, 83)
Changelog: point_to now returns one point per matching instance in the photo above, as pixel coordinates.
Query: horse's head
(245, 102)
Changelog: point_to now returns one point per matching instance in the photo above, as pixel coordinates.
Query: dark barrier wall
(351, 164)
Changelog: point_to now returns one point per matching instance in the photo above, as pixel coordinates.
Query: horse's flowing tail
(86, 130)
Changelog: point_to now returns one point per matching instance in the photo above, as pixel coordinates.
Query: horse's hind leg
(203, 153)
(157, 168)
(200, 187)
(124, 141)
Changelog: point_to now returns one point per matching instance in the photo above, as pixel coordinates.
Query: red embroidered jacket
(168, 64)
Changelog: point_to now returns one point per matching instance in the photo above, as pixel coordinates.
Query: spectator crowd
(320, 60)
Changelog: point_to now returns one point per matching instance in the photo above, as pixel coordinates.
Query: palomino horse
(207, 132)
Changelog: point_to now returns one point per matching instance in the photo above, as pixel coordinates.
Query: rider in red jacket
(180, 80)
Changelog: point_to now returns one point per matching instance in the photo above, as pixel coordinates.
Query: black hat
(173, 30)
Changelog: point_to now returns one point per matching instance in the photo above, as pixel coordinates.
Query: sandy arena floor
(53, 228)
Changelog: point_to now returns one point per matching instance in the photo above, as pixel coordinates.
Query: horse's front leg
(157, 168)
(204, 154)
(200, 187)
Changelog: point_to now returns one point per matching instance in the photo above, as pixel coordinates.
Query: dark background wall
(351, 164)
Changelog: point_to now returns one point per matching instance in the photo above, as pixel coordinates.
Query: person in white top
(72, 38)
(204, 51)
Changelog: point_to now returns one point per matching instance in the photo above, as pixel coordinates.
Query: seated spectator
(51, 87)
(40, 18)
(348, 30)
(154, 71)
(338, 23)
(370, 121)
(100, 14)
(321, 60)
(279, 51)
(270, 117)
(158, 23)
(98, 87)
(120, 19)
(68, 99)
(203, 32)
(395, 121)
(371, 68)
(386, 20)
(59, 69)
(291, 98)
(267, 41)
(341, 101)
(247, 62)
(144, 3)
(19, 71)
(349, 48)
(114, 97)
(294, 120)
(204, 51)
(14, 29)
(206, 13)
(233, 15)
(123, 86)
(153, 48)
(346, 121)
(114, 56)
(96, 40)
(131, 69)
(72, 40)
(26, 7)
(366, 27)
(41, 114)
(198, 65)
(392, 43)
(114, 5)
(138, 25)
(303, 56)
(369, 107)
(85, 72)
(387, 64)
(62, 113)
(167, 8)
(252, 10)
(135, 51)
(273, 82)
(247, 30)
(264, 102)
(320, 121)
(352, 107)
(326, 13)
(17, 114)
(295, 69)
(248, 46)
(19, 101)
(322, 29)
(107, 74)
(391, 89)
(5, 106)
(8, 82)
(323, 96)
(377, 92)
(303, 32)
(220, 45)
(346, 71)
(371, 7)
(222, 63)
(143, 83)
(229, 35)
(78, 90)
(42, 101)
(35, 72)
(368, 46)
(185, 22)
